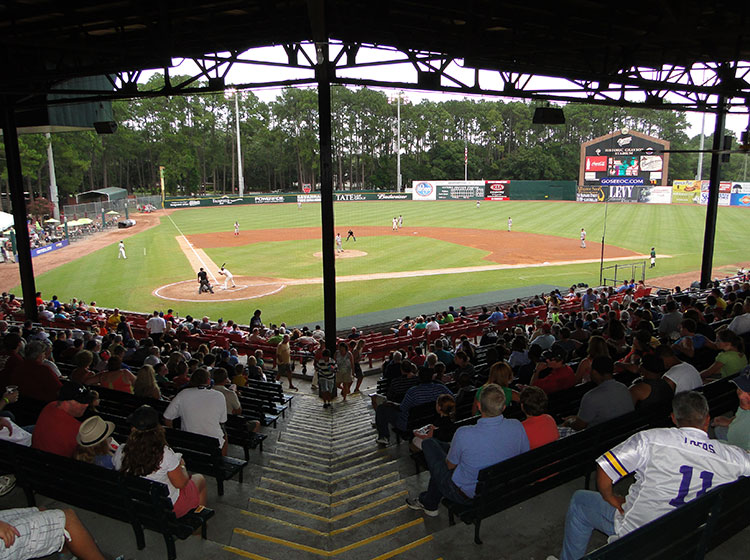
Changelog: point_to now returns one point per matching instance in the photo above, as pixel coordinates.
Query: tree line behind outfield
(194, 137)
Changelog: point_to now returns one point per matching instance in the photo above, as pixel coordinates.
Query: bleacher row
(499, 487)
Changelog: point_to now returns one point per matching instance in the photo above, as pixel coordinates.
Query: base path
(507, 250)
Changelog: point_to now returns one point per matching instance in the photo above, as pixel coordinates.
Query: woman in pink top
(540, 427)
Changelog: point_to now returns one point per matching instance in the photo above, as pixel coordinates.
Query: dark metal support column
(317, 14)
(709, 234)
(18, 202)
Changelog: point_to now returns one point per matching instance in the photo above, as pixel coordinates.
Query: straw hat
(94, 431)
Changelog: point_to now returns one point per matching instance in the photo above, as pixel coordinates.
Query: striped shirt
(422, 393)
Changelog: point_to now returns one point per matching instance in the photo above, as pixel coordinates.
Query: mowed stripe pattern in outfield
(503, 247)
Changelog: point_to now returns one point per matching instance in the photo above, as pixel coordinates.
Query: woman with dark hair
(124, 330)
(540, 427)
(731, 359)
(82, 373)
(146, 454)
(116, 377)
(344, 369)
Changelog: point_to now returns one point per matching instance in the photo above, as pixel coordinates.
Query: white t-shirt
(169, 462)
(685, 377)
(740, 324)
(202, 411)
(672, 466)
(156, 325)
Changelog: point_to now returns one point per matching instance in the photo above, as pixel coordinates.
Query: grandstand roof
(44, 40)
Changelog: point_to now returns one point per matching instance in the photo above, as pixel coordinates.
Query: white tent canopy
(6, 221)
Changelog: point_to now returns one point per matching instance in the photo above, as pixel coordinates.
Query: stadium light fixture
(548, 115)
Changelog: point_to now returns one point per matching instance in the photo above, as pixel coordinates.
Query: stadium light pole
(240, 177)
(604, 234)
(399, 95)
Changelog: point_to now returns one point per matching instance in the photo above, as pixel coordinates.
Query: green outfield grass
(154, 258)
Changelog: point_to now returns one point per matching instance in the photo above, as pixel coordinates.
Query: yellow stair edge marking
(296, 475)
(338, 517)
(306, 444)
(376, 460)
(365, 483)
(308, 458)
(288, 510)
(244, 553)
(299, 499)
(368, 493)
(295, 486)
(404, 548)
(377, 537)
(325, 455)
(329, 553)
(286, 523)
(368, 520)
(276, 463)
(324, 533)
(376, 452)
(371, 505)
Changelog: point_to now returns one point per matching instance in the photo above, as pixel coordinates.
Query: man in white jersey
(228, 277)
(672, 467)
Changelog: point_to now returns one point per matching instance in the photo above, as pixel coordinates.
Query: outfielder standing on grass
(510, 223)
(653, 257)
(121, 254)
(583, 238)
(236, 228)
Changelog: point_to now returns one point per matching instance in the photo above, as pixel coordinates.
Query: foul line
(197, 256)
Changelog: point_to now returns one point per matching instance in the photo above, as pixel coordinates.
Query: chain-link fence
(94, 210)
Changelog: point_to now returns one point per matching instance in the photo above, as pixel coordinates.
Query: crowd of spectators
(633, 352)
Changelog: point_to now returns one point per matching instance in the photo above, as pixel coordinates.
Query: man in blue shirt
(454, 468)
(397, 415)
(496, 316)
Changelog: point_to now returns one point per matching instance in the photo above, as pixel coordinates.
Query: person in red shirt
(559, 376)
(57, 427)
(541, 428)
(33, 378)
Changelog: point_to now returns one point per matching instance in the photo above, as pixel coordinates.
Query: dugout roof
(601, 47)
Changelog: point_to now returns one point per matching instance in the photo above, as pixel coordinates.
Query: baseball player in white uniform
(236, 228)
(510, 223)
(395, 223)
(228, 277)
(121, 254)
(583, 238)
(672, 466)
(400, 221)
(339, 248)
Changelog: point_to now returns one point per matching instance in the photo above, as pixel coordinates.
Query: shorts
(42, 532)
(189, 500)
(325, 385)
(358, 371)
(284, 369)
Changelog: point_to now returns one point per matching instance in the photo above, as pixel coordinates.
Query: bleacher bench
(143, 503)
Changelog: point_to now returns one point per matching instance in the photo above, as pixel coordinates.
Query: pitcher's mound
(346, 254)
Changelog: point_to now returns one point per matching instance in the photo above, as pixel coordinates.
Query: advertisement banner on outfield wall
(725, 189)
(590, 193)
(656, 195)
(497, 190)
(740, 195)
(624, 193)
(448, 190)
(280, 198)
(686, 192)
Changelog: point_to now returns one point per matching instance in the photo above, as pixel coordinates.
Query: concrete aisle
(328, 491)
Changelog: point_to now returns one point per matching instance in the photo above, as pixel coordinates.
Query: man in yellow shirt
(284, 361)
(114, 319)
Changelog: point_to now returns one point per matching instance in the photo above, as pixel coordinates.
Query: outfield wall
(493, 190)
(681, 192)
(213, 201)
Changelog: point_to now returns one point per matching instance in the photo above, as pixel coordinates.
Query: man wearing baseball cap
(558, 375)
(57, 428)
(736, 430)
